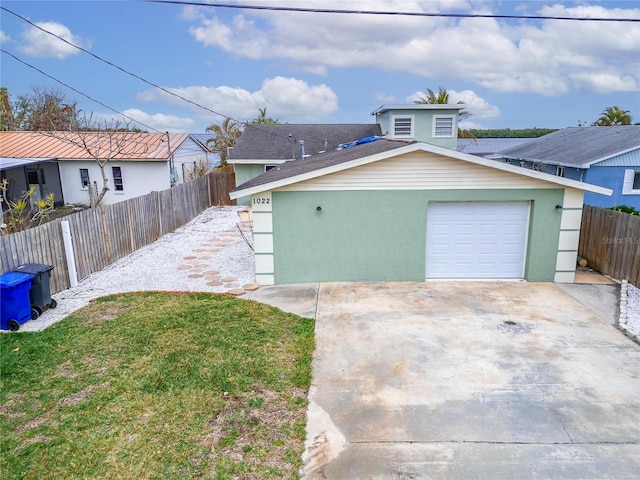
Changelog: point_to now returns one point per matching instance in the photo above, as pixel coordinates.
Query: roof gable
(139, 146)
(282, 141)
(303, 170)
(578, 146)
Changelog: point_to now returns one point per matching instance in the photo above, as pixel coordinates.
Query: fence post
(68, 251)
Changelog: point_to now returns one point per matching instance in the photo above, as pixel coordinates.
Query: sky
(321, 67)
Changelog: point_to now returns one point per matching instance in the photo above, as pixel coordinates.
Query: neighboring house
(403, 210)
(24, 173)
(149, 162)
(262, 147)
(605, 156)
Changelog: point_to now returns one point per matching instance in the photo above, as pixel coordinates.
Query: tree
(227, 133)
(224, 137)
(6, 112)
(612, 116)
(103, 142)
(262, 117)
(442, 98)
(44, 109)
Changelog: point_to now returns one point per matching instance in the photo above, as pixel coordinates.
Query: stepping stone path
(195, 267)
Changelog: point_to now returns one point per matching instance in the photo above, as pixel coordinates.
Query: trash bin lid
(12, 279)
(34, 268)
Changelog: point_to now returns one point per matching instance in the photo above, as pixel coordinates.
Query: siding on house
(138, 178)
(419, 170)
(422, 123)
(611, 177)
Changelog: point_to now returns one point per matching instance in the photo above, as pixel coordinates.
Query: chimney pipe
(302, 148)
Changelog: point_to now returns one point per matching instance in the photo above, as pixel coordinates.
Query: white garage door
(477, 240)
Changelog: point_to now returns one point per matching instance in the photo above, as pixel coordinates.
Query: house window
(560, 171)
(631, 185)
(117, 179)
(84, 177)
(33, 177)
(443, 126)
(403, 126)
(269, 167)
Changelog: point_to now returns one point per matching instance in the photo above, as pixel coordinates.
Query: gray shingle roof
(324, 160)
(577, 146)
(272, 141)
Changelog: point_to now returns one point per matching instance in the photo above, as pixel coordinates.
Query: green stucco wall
(244, 173)
(381, 235)
(423, 127)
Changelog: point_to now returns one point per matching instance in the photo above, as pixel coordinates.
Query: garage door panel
(476, 240)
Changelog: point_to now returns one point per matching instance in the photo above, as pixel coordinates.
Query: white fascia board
(546, 177)
(253, 161)
(420, 106)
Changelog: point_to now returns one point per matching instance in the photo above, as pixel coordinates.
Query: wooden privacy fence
(103, 235)
(610, 241)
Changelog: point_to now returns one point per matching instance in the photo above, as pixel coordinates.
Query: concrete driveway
(477, 380)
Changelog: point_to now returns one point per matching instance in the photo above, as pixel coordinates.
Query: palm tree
(612, 116)
(224, 137)
(442, 98)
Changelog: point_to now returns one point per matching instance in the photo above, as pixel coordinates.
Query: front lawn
(157, 385)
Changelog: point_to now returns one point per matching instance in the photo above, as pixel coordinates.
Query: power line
(393, 13)
(97, 57)
(113, 64)
(77, 91)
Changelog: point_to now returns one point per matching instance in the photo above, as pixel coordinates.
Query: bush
(625, 209)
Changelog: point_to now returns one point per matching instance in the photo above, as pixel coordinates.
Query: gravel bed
(157, 266)
(631, 317)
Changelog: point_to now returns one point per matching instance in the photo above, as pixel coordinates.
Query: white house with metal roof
(135, 163)
(397, 209)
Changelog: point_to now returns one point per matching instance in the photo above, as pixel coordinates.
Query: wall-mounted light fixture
(318, 208)
(559, 207)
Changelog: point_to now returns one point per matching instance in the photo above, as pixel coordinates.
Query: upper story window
(84, 177)
(403, 126)
(269, 167)
(560, 171)
(117, 179)
(443, 126)
(631, 185)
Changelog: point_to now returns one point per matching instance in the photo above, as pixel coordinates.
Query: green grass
(157, 385)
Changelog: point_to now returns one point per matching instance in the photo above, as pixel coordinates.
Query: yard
(157, 385)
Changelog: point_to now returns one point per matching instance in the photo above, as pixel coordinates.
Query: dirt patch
(75, 398)
(36, 439)
(256, 428)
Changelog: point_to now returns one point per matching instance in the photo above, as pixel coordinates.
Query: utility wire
(97, 57)
(113, 64)
(77, 91)
(394, 13)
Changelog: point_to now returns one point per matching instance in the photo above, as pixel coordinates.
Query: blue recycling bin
(15, 304)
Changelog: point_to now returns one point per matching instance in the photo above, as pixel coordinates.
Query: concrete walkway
(478, 380)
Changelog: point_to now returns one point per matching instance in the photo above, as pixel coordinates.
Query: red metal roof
(66, 145)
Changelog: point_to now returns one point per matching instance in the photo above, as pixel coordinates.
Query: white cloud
(477, 106)
(287, 99)
(548, 57)
(40, 44)
(4, 38)
(160, 121)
